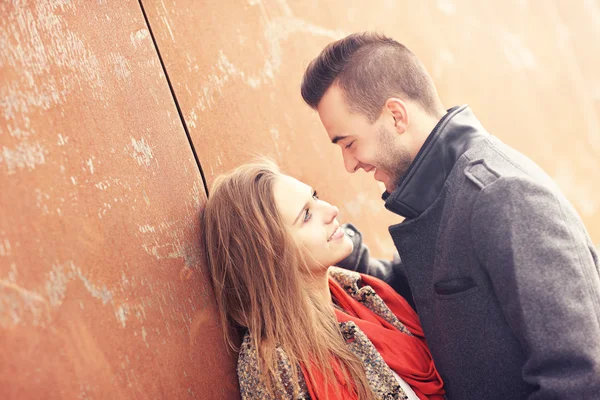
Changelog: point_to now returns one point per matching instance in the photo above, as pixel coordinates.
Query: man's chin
(381, 186)
(388, 186)
(384, 186)
(385, 183)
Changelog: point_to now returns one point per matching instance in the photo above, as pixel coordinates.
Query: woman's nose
(332, 213)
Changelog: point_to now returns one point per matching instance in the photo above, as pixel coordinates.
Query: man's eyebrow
(337, 139)
(303, 208)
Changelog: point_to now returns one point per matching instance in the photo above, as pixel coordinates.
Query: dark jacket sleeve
(391, 272)
(544, 272)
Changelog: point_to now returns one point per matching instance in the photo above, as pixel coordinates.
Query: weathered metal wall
(236, 69)
(528, 69)
(102, 292)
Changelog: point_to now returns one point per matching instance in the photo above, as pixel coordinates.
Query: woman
(310, 331)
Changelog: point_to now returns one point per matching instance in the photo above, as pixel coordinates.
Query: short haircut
(369, 68)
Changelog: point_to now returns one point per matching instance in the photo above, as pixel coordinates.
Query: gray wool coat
(502, 271)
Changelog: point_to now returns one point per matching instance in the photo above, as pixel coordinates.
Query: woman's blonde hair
(258, 275)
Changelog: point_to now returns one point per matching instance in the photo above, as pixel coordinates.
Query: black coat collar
(454, 134)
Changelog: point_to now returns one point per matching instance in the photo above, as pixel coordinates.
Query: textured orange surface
(102, 289)
(102, 293)
(529, 71)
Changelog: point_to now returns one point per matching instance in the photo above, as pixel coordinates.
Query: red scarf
(407, 355)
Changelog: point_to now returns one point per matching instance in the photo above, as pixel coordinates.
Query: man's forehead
(333, 111)
(332, 104)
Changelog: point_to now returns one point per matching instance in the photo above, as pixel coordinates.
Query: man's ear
(397, 109)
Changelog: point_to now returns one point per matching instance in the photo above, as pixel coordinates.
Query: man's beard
(393, 159)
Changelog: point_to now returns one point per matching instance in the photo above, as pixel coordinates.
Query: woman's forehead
(291, 196)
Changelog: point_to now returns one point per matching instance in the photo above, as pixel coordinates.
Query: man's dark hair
(369, 68)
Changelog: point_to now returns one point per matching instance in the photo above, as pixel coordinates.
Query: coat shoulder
(493, 160)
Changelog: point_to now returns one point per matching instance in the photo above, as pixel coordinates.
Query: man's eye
(315, 195)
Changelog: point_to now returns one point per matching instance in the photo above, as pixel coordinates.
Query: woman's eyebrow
(303, 207)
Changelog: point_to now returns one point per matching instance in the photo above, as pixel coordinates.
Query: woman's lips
(338, 233)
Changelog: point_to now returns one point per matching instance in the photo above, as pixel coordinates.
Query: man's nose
(350, 163)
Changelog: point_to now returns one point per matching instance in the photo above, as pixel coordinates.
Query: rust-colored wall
(236, 69)
(102, 291)
(529, 71)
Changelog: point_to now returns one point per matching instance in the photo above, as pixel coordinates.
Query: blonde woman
(310, 331)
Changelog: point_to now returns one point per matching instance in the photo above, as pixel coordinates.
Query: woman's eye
(307, 215)
(315, 195)
(349, 145)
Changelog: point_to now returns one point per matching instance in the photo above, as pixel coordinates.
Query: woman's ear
(399, 112)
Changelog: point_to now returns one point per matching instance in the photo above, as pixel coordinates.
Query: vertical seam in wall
(185, 127)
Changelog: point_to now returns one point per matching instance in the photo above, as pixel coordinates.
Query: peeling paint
(41, 199)
(5, 249)
(102, 185)
(141, 151)
(104, 209)
(24, 156)
(276, 31)
(17, 132)
(36, 41)
(124, 280)
(90, 164)
(166, 22)
(178, 247)
(196, 196)
(60, 275)
(146, 228)
(121, 67)
(144, 334)
(139, 36)
(121, 314)
(62, 140)
(19, 305)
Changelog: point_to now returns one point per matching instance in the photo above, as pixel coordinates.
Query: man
(502, 271)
